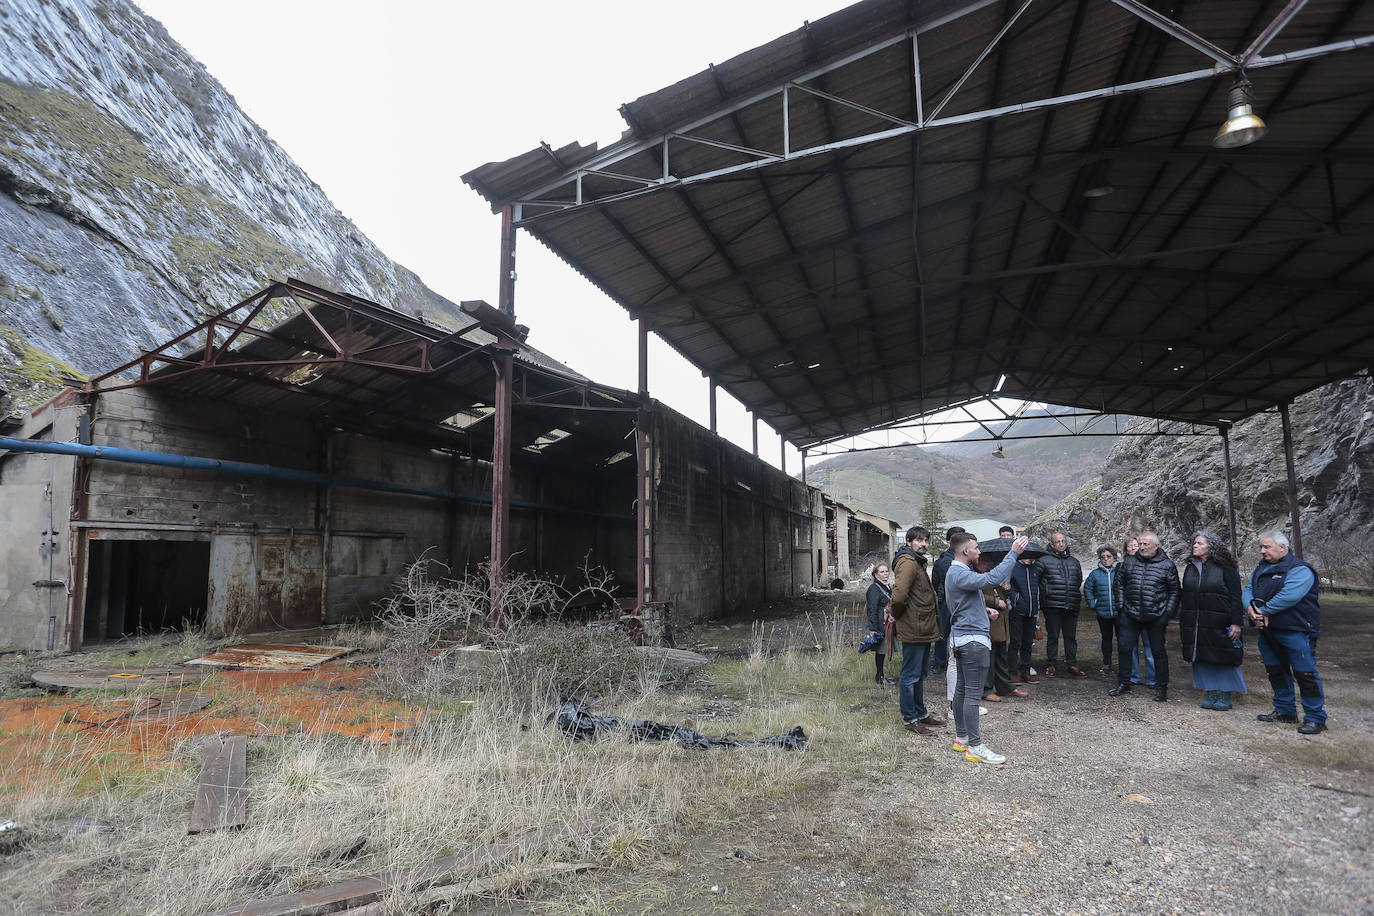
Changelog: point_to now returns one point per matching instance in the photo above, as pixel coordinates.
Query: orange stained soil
(62, 738)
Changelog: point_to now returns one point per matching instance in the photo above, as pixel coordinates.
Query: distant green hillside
(971, 481)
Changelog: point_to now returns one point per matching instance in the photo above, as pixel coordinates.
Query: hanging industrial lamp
(1242, 126)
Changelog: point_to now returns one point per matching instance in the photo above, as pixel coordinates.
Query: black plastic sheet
(576, 720)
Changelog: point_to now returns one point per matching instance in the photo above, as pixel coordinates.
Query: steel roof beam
(1173, 29)
(1271, 31)
(625, 149)
(653, 185)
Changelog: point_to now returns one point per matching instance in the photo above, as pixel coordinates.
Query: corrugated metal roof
(880, 280)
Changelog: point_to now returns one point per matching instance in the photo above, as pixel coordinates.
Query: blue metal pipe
(249, 469)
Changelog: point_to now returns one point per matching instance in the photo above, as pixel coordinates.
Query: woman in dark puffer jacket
(1210, 615)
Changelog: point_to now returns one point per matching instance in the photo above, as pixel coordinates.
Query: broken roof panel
(349, 363)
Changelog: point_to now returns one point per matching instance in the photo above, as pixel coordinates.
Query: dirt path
(1233, 822)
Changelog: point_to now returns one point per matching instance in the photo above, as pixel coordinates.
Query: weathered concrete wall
(730, 533)
(842, 552)
(819, 546)
(35, 535)
(281, 553)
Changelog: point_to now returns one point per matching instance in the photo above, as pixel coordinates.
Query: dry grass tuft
(477, 765)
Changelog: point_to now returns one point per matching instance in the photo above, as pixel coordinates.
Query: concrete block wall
(731, 533)
(148, 420)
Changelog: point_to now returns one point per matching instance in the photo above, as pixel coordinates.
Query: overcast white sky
(386, 105)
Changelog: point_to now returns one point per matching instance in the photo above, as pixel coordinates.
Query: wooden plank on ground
(479, 887)
(221, 801)
(118, 678)
(361, 891)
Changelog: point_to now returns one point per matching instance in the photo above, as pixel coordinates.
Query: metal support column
(504, 366)
(500, 481)
(803, 458)
(643, 480)
(756, 437)
(643, 513)
(1230, 489)
(782, 454)
(713, 406)
(1292, 479)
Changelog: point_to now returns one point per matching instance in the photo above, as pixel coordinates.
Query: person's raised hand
(1020, 544)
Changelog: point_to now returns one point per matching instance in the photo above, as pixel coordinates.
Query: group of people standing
(981, 618)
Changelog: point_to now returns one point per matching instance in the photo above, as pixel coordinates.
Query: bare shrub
(1344, 564)
(440, 640)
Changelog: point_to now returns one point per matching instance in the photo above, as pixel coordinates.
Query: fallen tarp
(271, 656)
(577, 721)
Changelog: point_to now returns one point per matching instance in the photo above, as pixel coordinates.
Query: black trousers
(999, 671)
(1022, 642)
(1153, 630)
(1059, 621)
(1108, 626)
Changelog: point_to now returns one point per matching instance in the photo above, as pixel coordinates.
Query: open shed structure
(282, 463)
(906, 206)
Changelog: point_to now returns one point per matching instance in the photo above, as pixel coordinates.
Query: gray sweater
(968, 613)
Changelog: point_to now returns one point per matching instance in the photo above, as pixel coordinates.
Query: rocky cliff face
(1177, 485)
(136, 197)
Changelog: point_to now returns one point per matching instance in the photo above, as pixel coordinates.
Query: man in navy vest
(1282, 601)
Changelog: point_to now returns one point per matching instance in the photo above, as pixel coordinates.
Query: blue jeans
(1149, 663)
(911, 687)
(1289, 656)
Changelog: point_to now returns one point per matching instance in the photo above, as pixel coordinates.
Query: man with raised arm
(969, 642)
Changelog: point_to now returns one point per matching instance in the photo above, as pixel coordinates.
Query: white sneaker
(982, 710)
(984, 754)
(1034, 673)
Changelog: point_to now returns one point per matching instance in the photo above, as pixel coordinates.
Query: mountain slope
(1178, 485)
(972, 482)
(136, 197)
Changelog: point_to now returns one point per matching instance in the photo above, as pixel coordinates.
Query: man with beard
(969, 641)
(937, 579)
(1147, 591)
(913, 607)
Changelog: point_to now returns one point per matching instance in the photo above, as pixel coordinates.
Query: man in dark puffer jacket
(1147, 591)
(1061, 577)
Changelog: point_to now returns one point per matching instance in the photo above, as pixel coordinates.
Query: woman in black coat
(879, 604)
(1210, 616)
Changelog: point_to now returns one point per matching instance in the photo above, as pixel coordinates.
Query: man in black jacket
(940, 660)
(1061, 578)
(1147, 591)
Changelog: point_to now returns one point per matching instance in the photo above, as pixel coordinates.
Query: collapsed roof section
(904, 205)
(347, 363)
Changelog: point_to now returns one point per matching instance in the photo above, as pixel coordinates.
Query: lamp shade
(1242, 126)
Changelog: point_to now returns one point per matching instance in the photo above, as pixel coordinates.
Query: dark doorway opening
(140, 587)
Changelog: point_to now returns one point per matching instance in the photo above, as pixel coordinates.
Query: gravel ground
(1227, 817)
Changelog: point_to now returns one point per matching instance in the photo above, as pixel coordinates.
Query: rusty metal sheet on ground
(152, 707)
(119, 678)
(271, 656)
